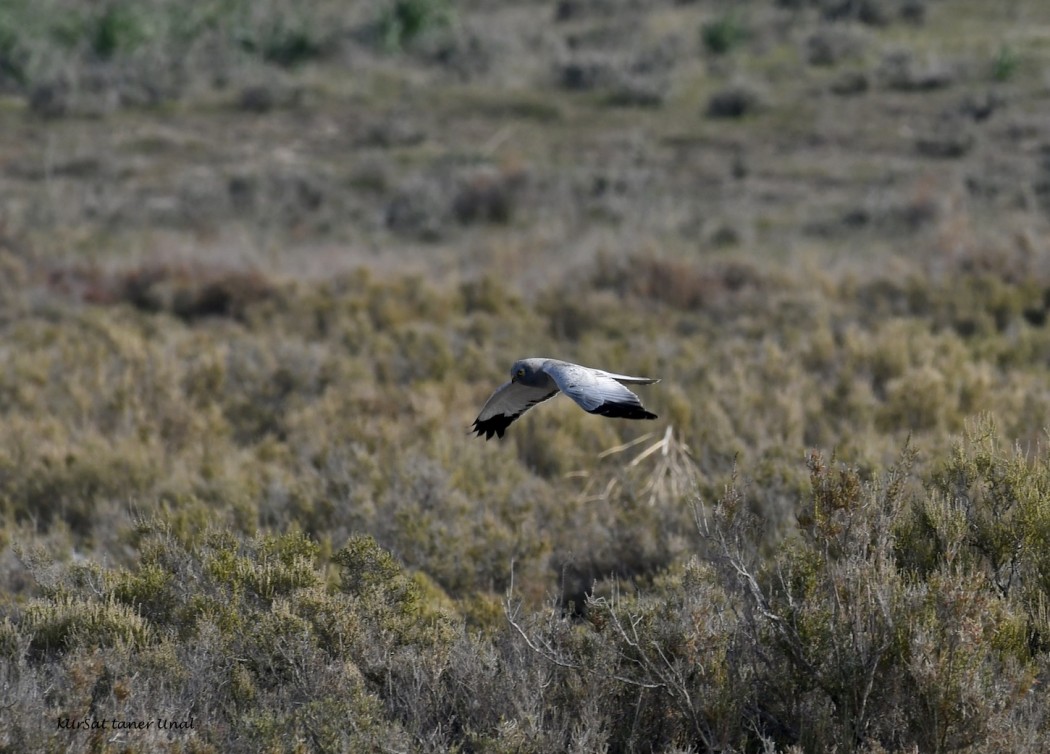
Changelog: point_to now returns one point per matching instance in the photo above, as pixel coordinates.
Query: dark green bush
(283, 37)
(117, 30)
(1005, 63)
(402, 21)
(14, 57)
(723, 34)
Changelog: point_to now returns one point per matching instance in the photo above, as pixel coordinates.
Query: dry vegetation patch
(309, 413)
(260, 263)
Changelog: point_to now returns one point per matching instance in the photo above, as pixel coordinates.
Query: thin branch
(545, 655)
(549, 655)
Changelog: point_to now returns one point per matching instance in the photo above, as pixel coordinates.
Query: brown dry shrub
(488, 196)
(193, 291)
(189, 291)
(679, 283)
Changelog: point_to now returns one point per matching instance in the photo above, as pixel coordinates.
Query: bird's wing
(598, 392)
(510, 401)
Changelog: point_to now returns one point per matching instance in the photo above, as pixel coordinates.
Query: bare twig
(548, 653)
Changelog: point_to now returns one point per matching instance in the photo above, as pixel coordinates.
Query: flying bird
(535, 380)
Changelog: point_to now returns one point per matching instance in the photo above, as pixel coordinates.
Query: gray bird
(535, 380)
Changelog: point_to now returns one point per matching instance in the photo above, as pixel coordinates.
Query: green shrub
(723, 34)
(865, 651)
(14, 57)
(68, 623)
(1006, 63)
(988, 512)
(116, 30)
(402, 21)
(228, 627)
(389, 596)
(282, 36)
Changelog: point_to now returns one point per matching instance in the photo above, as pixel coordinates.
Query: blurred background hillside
(262, 262)
(523, 138)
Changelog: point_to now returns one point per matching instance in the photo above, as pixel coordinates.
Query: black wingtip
(623, 411)
(497, 425)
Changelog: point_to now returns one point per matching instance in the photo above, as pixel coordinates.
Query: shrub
(487, 197)
(831, 45)
(281, 36)
(864, 652)
(722, 34)
(403, 21)
(1006, 63)
(987, 511)
(242, 633)
(589, 72)
(67, 623)
(735, 101)
(14, 57)
(116, 30)
(899, 70)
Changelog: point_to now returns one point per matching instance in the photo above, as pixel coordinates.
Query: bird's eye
(521, 373)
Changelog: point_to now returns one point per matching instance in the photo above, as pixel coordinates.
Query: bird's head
(522, 371)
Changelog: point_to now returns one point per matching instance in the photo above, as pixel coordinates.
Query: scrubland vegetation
(261, 263)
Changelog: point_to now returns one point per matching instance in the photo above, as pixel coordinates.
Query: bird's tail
(628, 380)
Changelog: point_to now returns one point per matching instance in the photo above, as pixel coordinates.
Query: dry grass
(259, 267)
